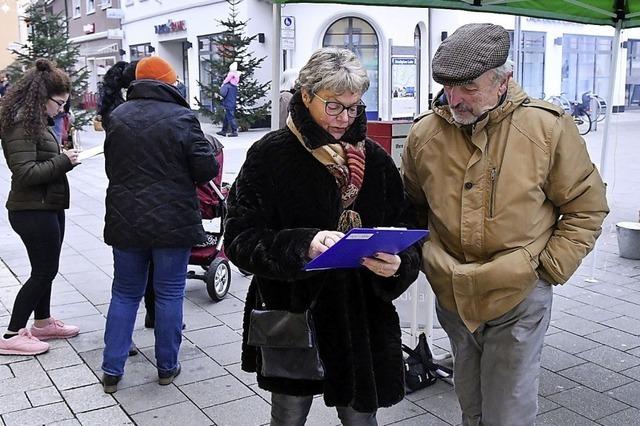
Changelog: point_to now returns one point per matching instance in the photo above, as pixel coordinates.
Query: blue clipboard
(365, 242)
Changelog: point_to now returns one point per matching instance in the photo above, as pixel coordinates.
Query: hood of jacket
(315, 136)
(157, 90)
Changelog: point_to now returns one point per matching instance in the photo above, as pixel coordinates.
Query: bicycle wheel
(583, 121)
(602, 108)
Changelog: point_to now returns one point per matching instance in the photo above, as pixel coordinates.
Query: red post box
(391, 135)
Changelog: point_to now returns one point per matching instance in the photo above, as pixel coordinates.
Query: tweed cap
(469, 52)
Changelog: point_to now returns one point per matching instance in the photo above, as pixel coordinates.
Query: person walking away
(155, 153)
(287, 89)
(335, 179)
(229, 93)
(37, 200)
(513, 204)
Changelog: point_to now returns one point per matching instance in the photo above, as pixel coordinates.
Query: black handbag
(287, 343)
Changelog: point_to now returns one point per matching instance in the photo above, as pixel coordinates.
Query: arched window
(358, 36)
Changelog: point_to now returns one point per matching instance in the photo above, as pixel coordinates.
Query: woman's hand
(73, 156)
(382, 264)
(322, 241)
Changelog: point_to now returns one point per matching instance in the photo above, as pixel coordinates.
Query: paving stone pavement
(591, 358)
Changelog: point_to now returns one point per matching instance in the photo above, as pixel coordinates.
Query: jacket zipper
(493, 191)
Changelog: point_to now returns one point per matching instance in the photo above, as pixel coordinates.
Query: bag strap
(262, 303)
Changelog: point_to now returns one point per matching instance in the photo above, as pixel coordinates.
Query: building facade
(183, 33)
(10, 34)
(395, 46)
(95, 26)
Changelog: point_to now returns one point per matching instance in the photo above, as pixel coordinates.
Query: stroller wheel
(218, 279)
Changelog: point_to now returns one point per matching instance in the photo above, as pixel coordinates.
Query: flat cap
(469, 52)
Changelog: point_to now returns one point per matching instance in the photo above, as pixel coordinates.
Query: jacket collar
(156, 90)
(314, 136)
(514, 97)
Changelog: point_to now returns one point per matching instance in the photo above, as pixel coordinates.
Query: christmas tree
(233, 46)
(48, 38)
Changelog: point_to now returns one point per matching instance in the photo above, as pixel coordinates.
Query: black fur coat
(282, 197)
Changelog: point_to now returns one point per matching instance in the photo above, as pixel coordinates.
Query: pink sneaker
(55, 330)
(22, 344)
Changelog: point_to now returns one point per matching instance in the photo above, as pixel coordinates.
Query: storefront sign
(89, 28)
(171, 27)
(115, 14)
(403, 82)
(115, 34)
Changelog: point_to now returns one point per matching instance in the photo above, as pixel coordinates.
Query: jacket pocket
(493, 178)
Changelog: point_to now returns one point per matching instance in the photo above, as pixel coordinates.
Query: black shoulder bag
(419, 369)
(287, 342)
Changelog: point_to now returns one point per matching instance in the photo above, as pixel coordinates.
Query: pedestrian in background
(155, 153)
(287, 89)
(513, 204)
(229, 94)
(298, 191)
(38, 197)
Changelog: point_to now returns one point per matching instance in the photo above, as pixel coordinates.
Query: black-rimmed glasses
(335, 108)
(59, 103)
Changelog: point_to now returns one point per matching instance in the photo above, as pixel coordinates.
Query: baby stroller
(210, 255)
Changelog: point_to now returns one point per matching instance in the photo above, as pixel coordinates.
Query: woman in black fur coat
(299, 189)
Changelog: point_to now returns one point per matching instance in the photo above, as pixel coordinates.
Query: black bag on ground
(419, 369)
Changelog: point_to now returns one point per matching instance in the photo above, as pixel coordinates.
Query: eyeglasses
(59, 103)
(335, 108)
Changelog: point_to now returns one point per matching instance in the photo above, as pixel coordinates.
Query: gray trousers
(497, 367)
(287, 410)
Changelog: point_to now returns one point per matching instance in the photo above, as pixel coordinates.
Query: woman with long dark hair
(37, 200)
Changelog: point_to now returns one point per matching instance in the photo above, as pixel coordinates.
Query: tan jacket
(513, 198)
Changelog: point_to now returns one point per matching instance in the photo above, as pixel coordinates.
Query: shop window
(75, 5)
(139, 51)
(207, 51)
(586, 62)
(530, 74)
(632, 82)
(91, 6)
(359, 36)
(105, 4)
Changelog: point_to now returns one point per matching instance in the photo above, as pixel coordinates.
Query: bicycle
(578, 110)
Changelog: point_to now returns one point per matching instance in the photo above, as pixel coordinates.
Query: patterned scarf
(345, 162)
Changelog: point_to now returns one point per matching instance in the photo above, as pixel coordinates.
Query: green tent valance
(599, 12)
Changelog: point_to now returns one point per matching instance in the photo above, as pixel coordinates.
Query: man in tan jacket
(513, 203)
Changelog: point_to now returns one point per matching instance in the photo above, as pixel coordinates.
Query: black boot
(110, 383)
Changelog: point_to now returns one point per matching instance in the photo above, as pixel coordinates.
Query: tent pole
(276, 56)
(604, 152)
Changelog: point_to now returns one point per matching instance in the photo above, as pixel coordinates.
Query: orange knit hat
(155, 68)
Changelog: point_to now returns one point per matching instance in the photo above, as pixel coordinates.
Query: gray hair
(337, 70)
(503, 71)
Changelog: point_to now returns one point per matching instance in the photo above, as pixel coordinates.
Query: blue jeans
(130, 268)
(229, 123)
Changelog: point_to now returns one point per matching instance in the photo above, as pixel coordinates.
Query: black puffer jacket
(155, 152)
(38, 170)
(282, 197)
